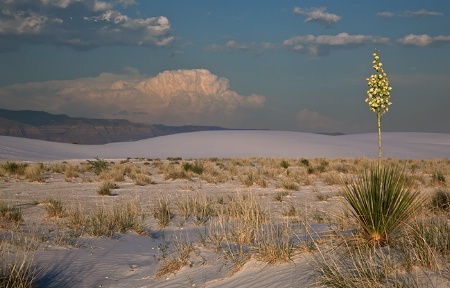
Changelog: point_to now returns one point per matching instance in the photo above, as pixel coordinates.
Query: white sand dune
(239, 143)
(227, 144)
(131, 260)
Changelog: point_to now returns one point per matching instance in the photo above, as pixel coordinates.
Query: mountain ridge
(62, 128)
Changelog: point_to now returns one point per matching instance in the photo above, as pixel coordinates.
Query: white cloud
(423, 40)
(322, 44)
(257, 49)
(318, 15)
(407, 13)
(172, 97)
(89, 24)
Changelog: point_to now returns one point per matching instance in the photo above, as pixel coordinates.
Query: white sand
(227, 144)
(131, 260)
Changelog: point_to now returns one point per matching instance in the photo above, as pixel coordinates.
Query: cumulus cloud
(407, 13)
(80, 24)
(322, 44)
(318, 15)
(423, 40)
(172, 97)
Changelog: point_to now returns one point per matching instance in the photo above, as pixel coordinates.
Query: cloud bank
(172, 97)
(323, 44)
(423, 40)
(79, 24)
(407, 13)
(318, 15)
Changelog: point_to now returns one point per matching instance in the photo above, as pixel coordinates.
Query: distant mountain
(62, 128)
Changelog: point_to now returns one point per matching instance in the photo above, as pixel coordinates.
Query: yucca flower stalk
(378, 94)
(382, 201)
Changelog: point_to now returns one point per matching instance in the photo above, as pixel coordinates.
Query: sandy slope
(225, 144)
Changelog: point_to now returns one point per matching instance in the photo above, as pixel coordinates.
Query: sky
(254, 64)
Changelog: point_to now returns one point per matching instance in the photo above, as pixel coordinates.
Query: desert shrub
(304, 162)
(98, 165)
(196, 167)
(441, 199)
(382, 202)
(284, 164)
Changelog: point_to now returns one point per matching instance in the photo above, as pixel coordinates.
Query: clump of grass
(274, 243)
(289, 185)
(438, 176)
(16, 270)
(106, 187)
(54, 208)
(279, 196)
(441, 200)
(14, 168)
(382, 202)
(290, 211)
(199, 206)
(33, 173)
(163, 213)
(10, 213)
(178, 259)
(426, 243)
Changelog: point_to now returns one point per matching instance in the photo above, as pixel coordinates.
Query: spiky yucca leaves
(382, 201)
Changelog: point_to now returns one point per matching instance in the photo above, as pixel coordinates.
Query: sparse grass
(102, 221)
(356, 265)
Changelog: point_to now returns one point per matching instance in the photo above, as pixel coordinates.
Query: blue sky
(283, 65)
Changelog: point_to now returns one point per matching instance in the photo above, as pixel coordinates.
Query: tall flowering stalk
(378, 94)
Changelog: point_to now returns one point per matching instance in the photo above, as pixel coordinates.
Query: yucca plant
(382, 201)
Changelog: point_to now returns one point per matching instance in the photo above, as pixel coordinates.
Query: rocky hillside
(62, 128)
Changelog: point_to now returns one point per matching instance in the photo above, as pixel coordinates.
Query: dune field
(217, 209)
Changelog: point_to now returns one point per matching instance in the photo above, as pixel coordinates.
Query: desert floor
(299, 197)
